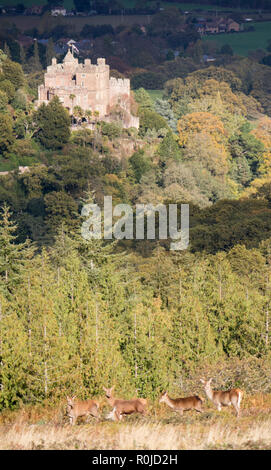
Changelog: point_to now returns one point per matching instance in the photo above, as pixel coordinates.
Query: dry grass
(162, 429)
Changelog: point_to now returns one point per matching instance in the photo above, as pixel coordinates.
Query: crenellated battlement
(120, 82)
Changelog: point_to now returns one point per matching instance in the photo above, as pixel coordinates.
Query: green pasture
(243, 43)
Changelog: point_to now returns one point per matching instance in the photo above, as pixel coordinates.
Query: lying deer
(231, 397)
(182, 404)
(78, 408)
(124, 407)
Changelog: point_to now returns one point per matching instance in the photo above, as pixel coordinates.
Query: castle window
(83, 75)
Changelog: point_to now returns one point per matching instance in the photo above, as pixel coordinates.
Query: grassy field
(25, 23)
(162, 429)
(243, 43)
(155, 94)
(131, 3)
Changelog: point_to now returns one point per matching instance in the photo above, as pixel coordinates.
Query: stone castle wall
(86, 85)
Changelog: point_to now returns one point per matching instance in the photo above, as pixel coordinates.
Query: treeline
(80, 315)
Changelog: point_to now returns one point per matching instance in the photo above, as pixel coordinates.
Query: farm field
(24, 23)
(162, 429)
(243, 43)
(131, 3)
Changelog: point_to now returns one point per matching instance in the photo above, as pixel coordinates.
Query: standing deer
(124, 407)
(231, 397)
(182, 404)
(78, 408)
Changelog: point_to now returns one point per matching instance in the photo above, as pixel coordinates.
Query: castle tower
(86, 85)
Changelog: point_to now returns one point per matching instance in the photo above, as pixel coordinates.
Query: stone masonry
(87, 85)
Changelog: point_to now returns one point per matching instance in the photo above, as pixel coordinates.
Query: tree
(139, 164)
(22, 56)
(50, 51)
(7, 87)
(3, 101)
(13, 255)
(7, 50)
(53, 125)
(163, 108)
(226, 49)
(149, 119)
(6, 134)
(169, 149)
(13, 72)
(198, 122)
(143, 98)
(34, 61)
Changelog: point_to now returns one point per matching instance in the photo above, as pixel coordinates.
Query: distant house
(233, 26)
(58, 11)
(218, 26)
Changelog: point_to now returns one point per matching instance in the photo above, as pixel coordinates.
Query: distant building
(87, 85)
(218, 26)
(58, 11)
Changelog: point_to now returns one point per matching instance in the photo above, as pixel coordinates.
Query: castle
(89, 86)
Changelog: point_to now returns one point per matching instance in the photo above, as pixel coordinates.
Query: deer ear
(210, 380)
(202, 381)
(105, 389)
(73, 398)
(112, 388)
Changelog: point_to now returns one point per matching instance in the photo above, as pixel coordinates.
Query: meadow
(41, 428)
(131, 4)
(243, 43)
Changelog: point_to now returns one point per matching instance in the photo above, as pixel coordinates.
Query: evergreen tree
(53, 122)
(50, 51)
(7, 50)
(13, 255)
(34, 64)
(6, 134)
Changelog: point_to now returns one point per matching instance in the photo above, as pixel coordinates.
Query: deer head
(163, 397)
(70, 400)
(108, 391)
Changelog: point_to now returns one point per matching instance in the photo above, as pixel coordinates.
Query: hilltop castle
(89, 86)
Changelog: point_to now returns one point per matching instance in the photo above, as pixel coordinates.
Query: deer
(219, 398)
(78, 408)
(124, 407)
(182, 404)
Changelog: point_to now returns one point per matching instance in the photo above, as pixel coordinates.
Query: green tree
(140, 164)
(6, 134)
(53, 125)
(50, 51)
(3, 102)
(13, 72)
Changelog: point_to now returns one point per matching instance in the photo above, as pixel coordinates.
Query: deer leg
(219, 407)
(237, 409)
(181, 412)
(117, 415)
(72, 420)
